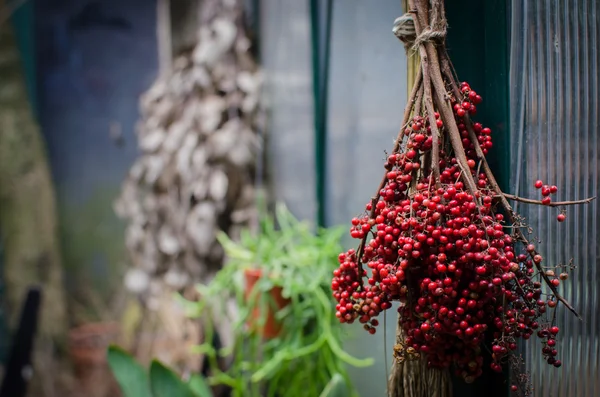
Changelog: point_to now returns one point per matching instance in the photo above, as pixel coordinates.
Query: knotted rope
(404, 27)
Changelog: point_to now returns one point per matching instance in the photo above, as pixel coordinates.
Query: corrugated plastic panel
(554, 137)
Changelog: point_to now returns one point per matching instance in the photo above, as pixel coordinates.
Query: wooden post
(412, 62)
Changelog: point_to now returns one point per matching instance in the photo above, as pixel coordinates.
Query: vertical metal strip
(320, 64)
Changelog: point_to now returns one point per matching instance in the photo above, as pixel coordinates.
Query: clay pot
(272, 327)
(88, 345)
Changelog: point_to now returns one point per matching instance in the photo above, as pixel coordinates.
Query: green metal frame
(321, 44)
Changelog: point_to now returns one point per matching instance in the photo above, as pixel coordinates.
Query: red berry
(481, 270)
(545, 190)
(561, 217)
(539, 184)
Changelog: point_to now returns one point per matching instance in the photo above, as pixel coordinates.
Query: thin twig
(435, 134)
(447, 71)
(419, 101)
(551, 204)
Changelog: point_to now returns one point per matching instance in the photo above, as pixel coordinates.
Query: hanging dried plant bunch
(198, 142)
(440, 236)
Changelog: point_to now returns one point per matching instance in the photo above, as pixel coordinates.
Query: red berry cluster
(546, 191)
(445, 254)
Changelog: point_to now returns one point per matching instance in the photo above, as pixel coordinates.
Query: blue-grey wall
(94, 59)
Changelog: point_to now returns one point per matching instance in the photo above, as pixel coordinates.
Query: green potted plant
(286, 338)
(161, 381)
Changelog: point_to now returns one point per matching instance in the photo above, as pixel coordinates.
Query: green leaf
(166, 383)
(199, 386)
(336, 387)
(233, 249)
(131, 376)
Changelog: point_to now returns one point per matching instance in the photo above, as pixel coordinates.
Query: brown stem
(419, 100)
(447, 71)
(449, 121)
(430, 59)
(551, 204)
(435, 134)
(411, 376)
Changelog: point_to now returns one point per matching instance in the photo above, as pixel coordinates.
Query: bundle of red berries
(445, 253)
(441, 238)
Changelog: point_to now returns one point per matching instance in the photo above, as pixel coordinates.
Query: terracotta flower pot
(88, 345)
(272, 326)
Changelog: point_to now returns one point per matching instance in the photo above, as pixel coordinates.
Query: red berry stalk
(441, 238)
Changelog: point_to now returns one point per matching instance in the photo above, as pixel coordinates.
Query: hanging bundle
(441, 238)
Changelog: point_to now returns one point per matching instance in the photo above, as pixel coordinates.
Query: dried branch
(551, 204)
(429, 57)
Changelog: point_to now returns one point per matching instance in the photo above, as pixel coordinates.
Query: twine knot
(404, 28)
